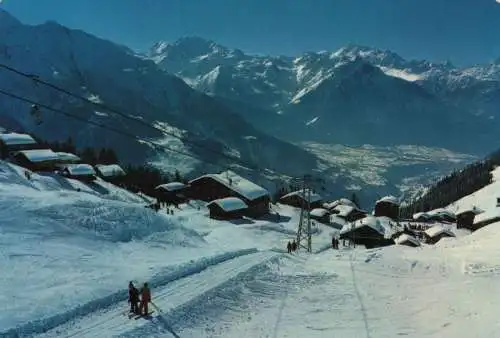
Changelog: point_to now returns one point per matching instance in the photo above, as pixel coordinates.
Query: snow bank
(407, 238)
(319, 212)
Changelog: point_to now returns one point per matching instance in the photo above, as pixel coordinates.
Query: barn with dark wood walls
(227, 208)
(37, 160)
(172, 193)
(387, 206)
(298, 200)
(13, 142)
(367, 231)
(349, 213)
(228, 184)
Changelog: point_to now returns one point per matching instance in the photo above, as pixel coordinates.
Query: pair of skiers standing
(133, 299)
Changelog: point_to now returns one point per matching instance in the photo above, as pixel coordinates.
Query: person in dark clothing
(145, 299)
(133, 298)
(289, 247)
(294, 245)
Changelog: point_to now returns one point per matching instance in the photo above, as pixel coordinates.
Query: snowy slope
(69, 248)
(113, 75)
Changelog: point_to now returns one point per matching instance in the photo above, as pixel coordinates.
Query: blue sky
(462, 31)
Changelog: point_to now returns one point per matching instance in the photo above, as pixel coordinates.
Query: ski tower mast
(304, 231)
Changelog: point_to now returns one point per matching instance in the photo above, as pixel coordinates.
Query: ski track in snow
(46, 324)
(176, 299)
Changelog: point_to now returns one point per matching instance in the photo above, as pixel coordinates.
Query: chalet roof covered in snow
(300, 193)
(343, 210)
(110, 170)
(379, 224)
(334, 219)
(39, 155)
(318, 212)
(229, 204)
(172, 186)
(418, 215)
(490, 214)
(341, 201)
(16, 139)
(235, 182)
(388, 199)
(68, 157)
(407, 238)
(438, 230)
(441, 212)
(79, 169)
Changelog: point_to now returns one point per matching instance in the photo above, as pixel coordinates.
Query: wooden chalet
(342, 201)
(421, 217)
(111, 173)
(436, 233)
(36, 159)
(228, 184)
(465, 218)
(321, 215)
(441, 215)
(172, 193)
(227, 208)
(11, 143)
(387, 206)
(298, 200)
(369, 231)
(81, 172)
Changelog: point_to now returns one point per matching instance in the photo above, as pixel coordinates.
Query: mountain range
(355, 95)
(287, 114)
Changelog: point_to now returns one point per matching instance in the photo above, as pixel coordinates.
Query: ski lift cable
(130, 135)
(131, 117)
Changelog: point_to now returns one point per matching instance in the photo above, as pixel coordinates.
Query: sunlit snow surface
(69, 255)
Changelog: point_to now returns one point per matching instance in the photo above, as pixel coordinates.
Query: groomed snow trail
(174, 299)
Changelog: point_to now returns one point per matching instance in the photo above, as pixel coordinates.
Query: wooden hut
(14, 142)
(387, 206)
(408, 240)
(172, 193)
(228, 184)
(436, 233)
(321, 215)
(113, 173)
(36, 160)
(368, 231)
(227, 208)
(342, 201)
(465, 217)
(298, 200)
(441, 215)
(82, 172)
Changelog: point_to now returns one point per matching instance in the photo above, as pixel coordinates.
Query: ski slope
(69, 250)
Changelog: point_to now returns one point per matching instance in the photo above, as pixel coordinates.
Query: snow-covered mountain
(355, 95)
(117, 77)
(113, 75)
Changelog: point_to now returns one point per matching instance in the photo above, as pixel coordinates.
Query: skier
(145, 299)
(133, 298)
(289, 247)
